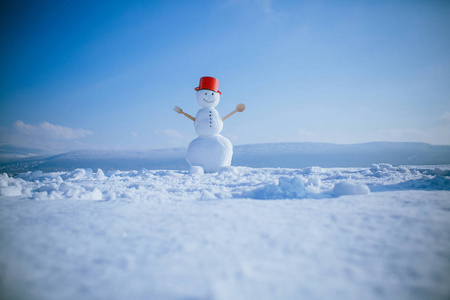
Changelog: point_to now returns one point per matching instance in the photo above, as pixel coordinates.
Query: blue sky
(106, 75)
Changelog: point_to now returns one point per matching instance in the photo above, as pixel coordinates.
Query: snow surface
(381, 232)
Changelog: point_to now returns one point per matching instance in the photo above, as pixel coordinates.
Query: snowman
(210, 151)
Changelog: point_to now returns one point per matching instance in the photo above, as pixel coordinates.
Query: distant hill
(170, 159)
(9, 152)
(285, 155)
(299, 155)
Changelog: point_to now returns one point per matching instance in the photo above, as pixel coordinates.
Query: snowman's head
(207, 98)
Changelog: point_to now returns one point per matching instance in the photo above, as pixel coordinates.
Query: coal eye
(206, 93)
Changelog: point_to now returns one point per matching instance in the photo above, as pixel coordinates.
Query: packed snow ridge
(230, 182)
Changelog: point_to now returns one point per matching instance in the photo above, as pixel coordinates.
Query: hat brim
(198, 88)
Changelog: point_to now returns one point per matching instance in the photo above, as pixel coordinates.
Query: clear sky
(107, 74)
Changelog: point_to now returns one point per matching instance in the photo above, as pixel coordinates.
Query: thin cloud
(172, 137)
(445, 117)
(263, 5)
(44, 135)
(438, 134)
(49, 131)
(305, 133)
(266, 5)
(170, 133)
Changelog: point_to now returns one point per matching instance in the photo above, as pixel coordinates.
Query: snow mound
(100, 175)
(10, 191)
(4, 180)
(9, 187)
(76, 175)
(196, 170)
(350, 188)
(229, 170)
(383, 167)
(207, 195)
(287, 188)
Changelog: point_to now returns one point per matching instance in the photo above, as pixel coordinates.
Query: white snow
(287, 188)
(196, 170)
(100, 175)
(208, 122)
(230, 182)
(210, 152)
(350, 188)
(162, 234)
(10, 191)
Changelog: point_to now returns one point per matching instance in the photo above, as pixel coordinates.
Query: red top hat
(209, 83)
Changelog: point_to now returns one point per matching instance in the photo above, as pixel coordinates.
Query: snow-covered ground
(381, 232)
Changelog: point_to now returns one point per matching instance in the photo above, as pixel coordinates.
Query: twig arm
(180, 111)
(189, 116)
(239, 108)
(229, 115)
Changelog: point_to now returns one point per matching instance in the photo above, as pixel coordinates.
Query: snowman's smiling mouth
(209, 101)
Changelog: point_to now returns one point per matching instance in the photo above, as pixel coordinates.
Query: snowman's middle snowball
(210, 152)
(208, 122)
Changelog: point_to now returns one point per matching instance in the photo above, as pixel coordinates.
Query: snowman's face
(207, 98)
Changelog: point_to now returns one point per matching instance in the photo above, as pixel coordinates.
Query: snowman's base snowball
(210, 152)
